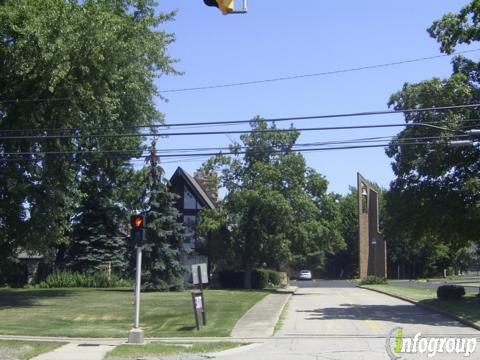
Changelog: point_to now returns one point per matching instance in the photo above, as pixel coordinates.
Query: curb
(427, 307)
(120, 341)
(288, 290)
(233, 351)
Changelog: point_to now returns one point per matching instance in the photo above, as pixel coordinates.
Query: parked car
(305, 275)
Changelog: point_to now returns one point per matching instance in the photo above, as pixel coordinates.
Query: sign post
(198, 308)
(199, 277)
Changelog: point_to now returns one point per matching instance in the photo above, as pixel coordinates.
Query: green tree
(164, 235)
(437, 187)
(275, 206)
(99, 236)
(88, 66)
(433, 206)
(456, 29)
(344, 263)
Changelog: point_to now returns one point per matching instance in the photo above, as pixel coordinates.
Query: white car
(305, 275)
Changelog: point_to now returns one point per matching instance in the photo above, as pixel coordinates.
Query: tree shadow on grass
(467, 308)
(187, 328)
(118, 290)
(28, 298)
(403, 314)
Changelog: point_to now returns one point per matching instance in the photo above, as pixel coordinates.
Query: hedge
(67, 279)
(450, 292)
(261, 278)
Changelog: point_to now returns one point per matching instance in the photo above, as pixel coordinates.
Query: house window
(189, 222)
(189, 201)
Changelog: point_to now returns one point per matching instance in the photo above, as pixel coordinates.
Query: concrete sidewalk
(74, 351)
(260, 320)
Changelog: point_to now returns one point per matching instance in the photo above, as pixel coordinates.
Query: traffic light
(137, 222)
(226, 6)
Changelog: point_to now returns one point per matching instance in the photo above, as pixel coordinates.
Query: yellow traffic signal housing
(226, 6)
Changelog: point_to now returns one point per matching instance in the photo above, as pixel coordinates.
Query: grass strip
(24, 350)
(281, 319)
(154, 349)
(468, 308)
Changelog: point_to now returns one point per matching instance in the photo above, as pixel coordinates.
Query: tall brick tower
(372, 246)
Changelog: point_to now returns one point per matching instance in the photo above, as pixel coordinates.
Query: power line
(355, 69)
(201, 133)
(280, 119)
(299, 150)
(253, 82)
(166, 153)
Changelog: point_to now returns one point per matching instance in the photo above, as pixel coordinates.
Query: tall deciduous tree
(275, 207)
(87, 66)
(435, 198)
(344, 263)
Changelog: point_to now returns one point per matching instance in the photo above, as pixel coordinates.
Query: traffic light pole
(138, 284)
(136, 336)
(243, 11)
(137, 222)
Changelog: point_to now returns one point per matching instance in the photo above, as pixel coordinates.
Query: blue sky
(285, 38)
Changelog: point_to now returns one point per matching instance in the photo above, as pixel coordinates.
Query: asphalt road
(318, 283)
(334, 320)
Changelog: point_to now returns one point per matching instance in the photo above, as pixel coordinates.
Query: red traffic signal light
(137, 222)
(138, 229)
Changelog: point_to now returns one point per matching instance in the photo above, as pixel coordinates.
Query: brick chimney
(209, 183)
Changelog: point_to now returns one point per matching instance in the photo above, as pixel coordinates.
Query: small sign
(198, 303)
(199, 309)
(203, 274)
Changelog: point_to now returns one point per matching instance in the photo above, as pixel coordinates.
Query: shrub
(450, 292)
(230, 279)
(372, 280)
(12, 273)
(261, 279)
(274, 277)
(68, 279)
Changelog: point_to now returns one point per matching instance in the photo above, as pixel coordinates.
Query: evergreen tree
(164, 233)
(98, 240)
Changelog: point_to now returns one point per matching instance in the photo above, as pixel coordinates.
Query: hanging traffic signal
(226, 6)
(137, 222)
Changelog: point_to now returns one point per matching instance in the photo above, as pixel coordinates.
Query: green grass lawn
(109, 312)
(155, 349)
(24, 350)
(468, 308)
(281, 319)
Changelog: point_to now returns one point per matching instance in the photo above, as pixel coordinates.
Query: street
(334, 320)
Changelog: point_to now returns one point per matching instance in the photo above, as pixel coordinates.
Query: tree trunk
(247, 276)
